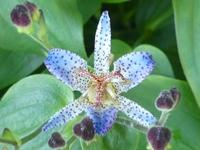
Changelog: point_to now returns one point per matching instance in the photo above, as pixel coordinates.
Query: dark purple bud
(30, 6)
(77, 129)
(164, 101)
(20, 16)
(87, 129)
(159, 137)
(175, 95)
(56, 140)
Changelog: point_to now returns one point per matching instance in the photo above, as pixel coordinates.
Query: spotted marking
(136, 112)
(64, 115)
(134, 67)
(102, 45)
(66, 65)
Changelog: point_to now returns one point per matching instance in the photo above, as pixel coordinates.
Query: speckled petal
(136, 112)
(66, 114)
(102, 119)
(102, 45)
(66, 65)
(134, 67)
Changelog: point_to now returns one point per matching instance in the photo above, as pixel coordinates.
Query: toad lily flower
(100, 89)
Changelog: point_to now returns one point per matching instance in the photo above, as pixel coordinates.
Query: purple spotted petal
(64, 115)
(102, 119)
(136, 112)
(66, 65)
(135, 67)
(102, 45)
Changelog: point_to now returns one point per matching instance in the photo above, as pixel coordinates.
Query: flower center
(101, 91)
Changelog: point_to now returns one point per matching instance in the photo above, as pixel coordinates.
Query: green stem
(69, 142)
(131, 124)
(8, 141)
(39, 42)
(163, 118)
(31, 136)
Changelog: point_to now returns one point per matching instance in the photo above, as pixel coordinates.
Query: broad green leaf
(114, 1)
(38, 96)
(120, 48)
(87, 8)
(184, 121)
(16, 65)
(187, 33)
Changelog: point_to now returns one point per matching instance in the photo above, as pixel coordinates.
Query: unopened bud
(176, 95)
(85, 129)
(159, 137)
(56, 140)
(33, 10)
(77, 129)
(20, 16)
(164, 102)
(30, 6)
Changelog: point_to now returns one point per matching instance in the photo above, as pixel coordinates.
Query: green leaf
(38, 96)
(114, 1)
(187, 33)
(16, 65)
(184, 121)
(87, 8)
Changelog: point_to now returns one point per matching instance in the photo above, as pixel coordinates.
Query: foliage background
(29, 95)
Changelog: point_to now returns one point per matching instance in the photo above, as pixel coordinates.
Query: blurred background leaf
(187, 31)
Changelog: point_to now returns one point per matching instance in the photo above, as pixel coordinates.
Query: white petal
(134, 67)
(66, 114)
(102, 45)
(136, 112)
(65, 65)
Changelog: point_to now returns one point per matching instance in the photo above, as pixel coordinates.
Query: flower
(101, 89)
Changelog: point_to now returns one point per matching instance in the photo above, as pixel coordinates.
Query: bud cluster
(167, 100)
(23, 16)
(159, 136)
(85, 129)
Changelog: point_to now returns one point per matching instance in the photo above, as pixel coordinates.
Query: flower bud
(33, 10)
(85, 129)
(30, 6)
(20, 16)
(158, 137)
(56, 140)
(175, 95)
(77, 129)
(164, 102)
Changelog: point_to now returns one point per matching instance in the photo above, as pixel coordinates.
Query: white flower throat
(101, 91)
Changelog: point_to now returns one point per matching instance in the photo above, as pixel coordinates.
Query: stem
(39, 42)
(131, 124)
(70, 141)
(31, 136)
(8, 142)
(163, 118)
